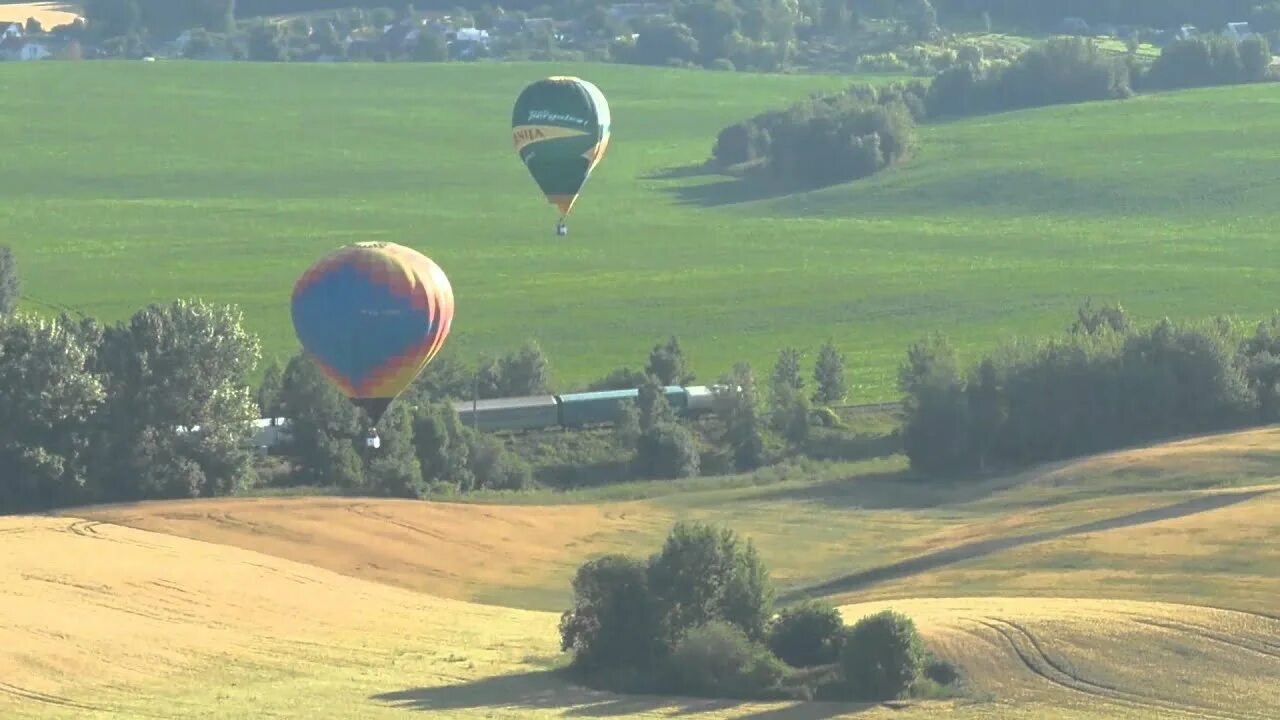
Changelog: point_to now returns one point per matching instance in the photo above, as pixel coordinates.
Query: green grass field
(129, 183)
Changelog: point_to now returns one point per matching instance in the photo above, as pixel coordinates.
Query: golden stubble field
(50, 14)
(329, 607)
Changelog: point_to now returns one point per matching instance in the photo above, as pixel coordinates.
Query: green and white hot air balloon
(560, 126)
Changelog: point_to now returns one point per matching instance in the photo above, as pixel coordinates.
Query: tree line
(427, 450)
(697, 619)
(1105, 383)
(160, 406)
(1263, 14)
(849, 135)
(94, 413)
(1154, 13)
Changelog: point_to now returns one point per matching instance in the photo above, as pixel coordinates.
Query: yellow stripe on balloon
(524, 135)
(596, 153)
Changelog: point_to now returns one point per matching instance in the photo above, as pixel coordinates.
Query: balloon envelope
(560, 126)
(371, 316)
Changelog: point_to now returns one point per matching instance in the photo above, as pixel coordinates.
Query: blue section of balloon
(335, 321)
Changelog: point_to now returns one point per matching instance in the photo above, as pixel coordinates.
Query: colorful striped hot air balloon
(560, 126)
(371, 316)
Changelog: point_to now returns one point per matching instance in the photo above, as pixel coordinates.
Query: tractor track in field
(89, 529)
(22, 693)
(1259, 647)
(1032, 654)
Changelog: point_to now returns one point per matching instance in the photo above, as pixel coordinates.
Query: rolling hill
(293, 607)
(1125, 517)
(130, 183)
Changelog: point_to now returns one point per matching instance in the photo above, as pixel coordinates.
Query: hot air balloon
(560, 126)
(372, 316)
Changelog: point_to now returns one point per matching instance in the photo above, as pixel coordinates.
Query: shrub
(1209, 60)
(718, 660)
(790, 414)
(615, 623)
(882, 657)
(443, 446)
(807, 635)
(706, 573)
(827, 417)
(1061, 70)
(667, 450)
(839, 139)
(941, 671)
(495, 468)
(828, 138)
(620, 379)
(9, 286)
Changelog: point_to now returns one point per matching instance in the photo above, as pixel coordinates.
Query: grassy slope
(840, 537)
(194, 626)
(139, 182)
(145, 182)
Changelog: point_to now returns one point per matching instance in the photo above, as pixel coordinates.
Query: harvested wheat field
(340, 607)
(1105, 657)
(509, 555)
(1219, 548)
(106, 621)
(1191, 463)
(50, 14)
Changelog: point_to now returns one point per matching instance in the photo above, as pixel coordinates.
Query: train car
(596, 408)
(700, 400)
(722, 398)
(678, 397)
(520, 413)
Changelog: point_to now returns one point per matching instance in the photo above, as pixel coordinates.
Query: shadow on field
(680, 172)
(546, 690)
(731, 190)
(982, 548)
(895, 490)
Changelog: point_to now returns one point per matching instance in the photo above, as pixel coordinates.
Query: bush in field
(807, 635)
(718, 660)
(882, 657)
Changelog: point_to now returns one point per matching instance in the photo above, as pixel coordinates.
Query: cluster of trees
(750, 427)
(97, 414)
(1208, 60)
(1154, 13)
(427, 450)
(844, 136)
(1070, 70)
(424, 446)
(697, 619)
(162, 18)
(1106, 383)
(754, 35)
(1058, 71)
(758, 35)
(827, 139)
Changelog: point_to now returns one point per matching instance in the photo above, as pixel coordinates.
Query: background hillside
(135, 183)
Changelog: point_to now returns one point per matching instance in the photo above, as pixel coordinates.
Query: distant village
(337, 37)
(314, 38)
